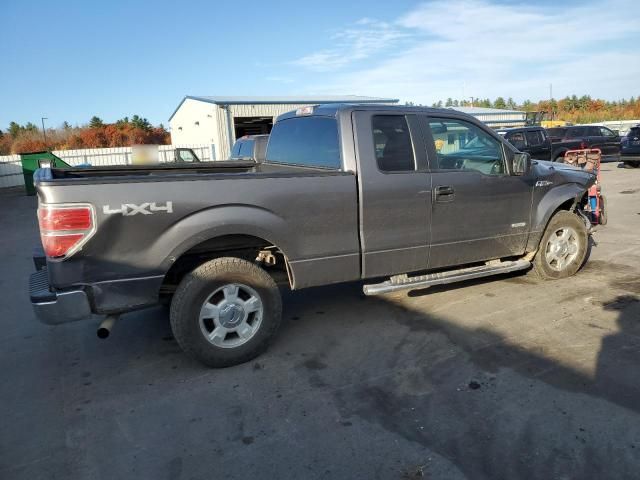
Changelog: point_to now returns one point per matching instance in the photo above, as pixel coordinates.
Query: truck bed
(169, 171)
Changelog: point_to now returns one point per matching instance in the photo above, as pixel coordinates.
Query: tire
(602, 214)
(631, 164)
(556, 258)
(225, 312)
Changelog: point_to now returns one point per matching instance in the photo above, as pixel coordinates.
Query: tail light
(64, 228)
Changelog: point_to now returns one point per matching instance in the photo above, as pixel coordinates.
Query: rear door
(395, 193)
(611, 142)
(537, 146)
(595, 139)
(480, 211)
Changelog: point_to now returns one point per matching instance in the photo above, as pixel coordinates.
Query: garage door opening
(252, 125)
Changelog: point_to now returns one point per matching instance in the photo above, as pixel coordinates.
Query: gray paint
(331, 226)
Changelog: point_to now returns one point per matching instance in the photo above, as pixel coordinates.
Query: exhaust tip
(103, 333)
(104, 330)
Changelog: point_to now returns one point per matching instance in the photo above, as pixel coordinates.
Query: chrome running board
(403, 282)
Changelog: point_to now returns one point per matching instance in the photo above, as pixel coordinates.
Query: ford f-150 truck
(396, 197)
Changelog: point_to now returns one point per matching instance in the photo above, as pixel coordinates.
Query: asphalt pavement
(506, 378)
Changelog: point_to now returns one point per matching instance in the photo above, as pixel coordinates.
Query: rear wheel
(225, 312)
(563, 247)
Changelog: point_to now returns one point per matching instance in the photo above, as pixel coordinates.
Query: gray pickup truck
(397, 197)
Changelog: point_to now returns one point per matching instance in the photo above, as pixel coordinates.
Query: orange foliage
(121, 134)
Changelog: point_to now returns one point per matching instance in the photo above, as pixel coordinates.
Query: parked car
(533, 140)
(187, 155)
(584, 136)
(346, 192)
(250, 147)
(630, 147)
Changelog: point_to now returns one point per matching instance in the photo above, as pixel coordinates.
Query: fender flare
(218, 221)
(548, 205)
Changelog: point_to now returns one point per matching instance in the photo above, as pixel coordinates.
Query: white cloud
(486, 49)
(364, 39)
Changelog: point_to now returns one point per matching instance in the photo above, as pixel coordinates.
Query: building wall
(248, 110)
(185, 130)
(213, 126)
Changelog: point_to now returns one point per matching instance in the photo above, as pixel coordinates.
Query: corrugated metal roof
(293, 100)
(485, 110)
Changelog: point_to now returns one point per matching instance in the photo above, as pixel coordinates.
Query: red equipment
(589, 160)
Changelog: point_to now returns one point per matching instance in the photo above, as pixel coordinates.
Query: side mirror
(521, 163)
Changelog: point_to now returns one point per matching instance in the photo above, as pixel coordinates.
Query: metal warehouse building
(218, 121)
(495, 117)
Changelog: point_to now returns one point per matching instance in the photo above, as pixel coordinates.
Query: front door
(480, 211)
(394, 192)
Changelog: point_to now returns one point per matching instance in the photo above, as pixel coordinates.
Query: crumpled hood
(561, 171)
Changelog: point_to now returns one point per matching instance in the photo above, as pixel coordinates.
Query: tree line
(572, 108)
(95, 134)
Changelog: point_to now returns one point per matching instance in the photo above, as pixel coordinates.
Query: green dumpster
(32, 161)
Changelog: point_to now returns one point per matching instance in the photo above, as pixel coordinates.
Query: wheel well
(247, 247)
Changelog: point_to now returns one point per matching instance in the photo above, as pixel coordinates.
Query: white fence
(11, 168)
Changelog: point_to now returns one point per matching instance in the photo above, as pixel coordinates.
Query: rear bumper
(54, 308)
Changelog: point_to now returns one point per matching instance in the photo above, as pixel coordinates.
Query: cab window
(533, 138)
(473, 148)
(392, 143)
(605, 132)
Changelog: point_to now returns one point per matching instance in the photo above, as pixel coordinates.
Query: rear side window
(576, 132)
(305, 141)
(557, 132)
(235, 151)
(392, 143)
(533, 138)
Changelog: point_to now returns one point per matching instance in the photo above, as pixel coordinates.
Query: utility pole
(44, 132)
(553, 114)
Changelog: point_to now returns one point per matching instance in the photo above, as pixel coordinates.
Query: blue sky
(70, 60)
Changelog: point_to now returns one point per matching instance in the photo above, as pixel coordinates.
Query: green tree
(15, 129)
(140, 122)
(30, 127)
(449, 102)
(96, 122)
(500, 103)
(511, 104)
(456, 103)
(66, 125)
(439, 105)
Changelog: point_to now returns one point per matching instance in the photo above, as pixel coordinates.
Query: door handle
(444, 193)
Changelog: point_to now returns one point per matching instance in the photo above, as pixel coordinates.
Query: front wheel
(225, 312)
(563, 247)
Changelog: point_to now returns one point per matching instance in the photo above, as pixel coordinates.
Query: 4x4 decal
(130, 209)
